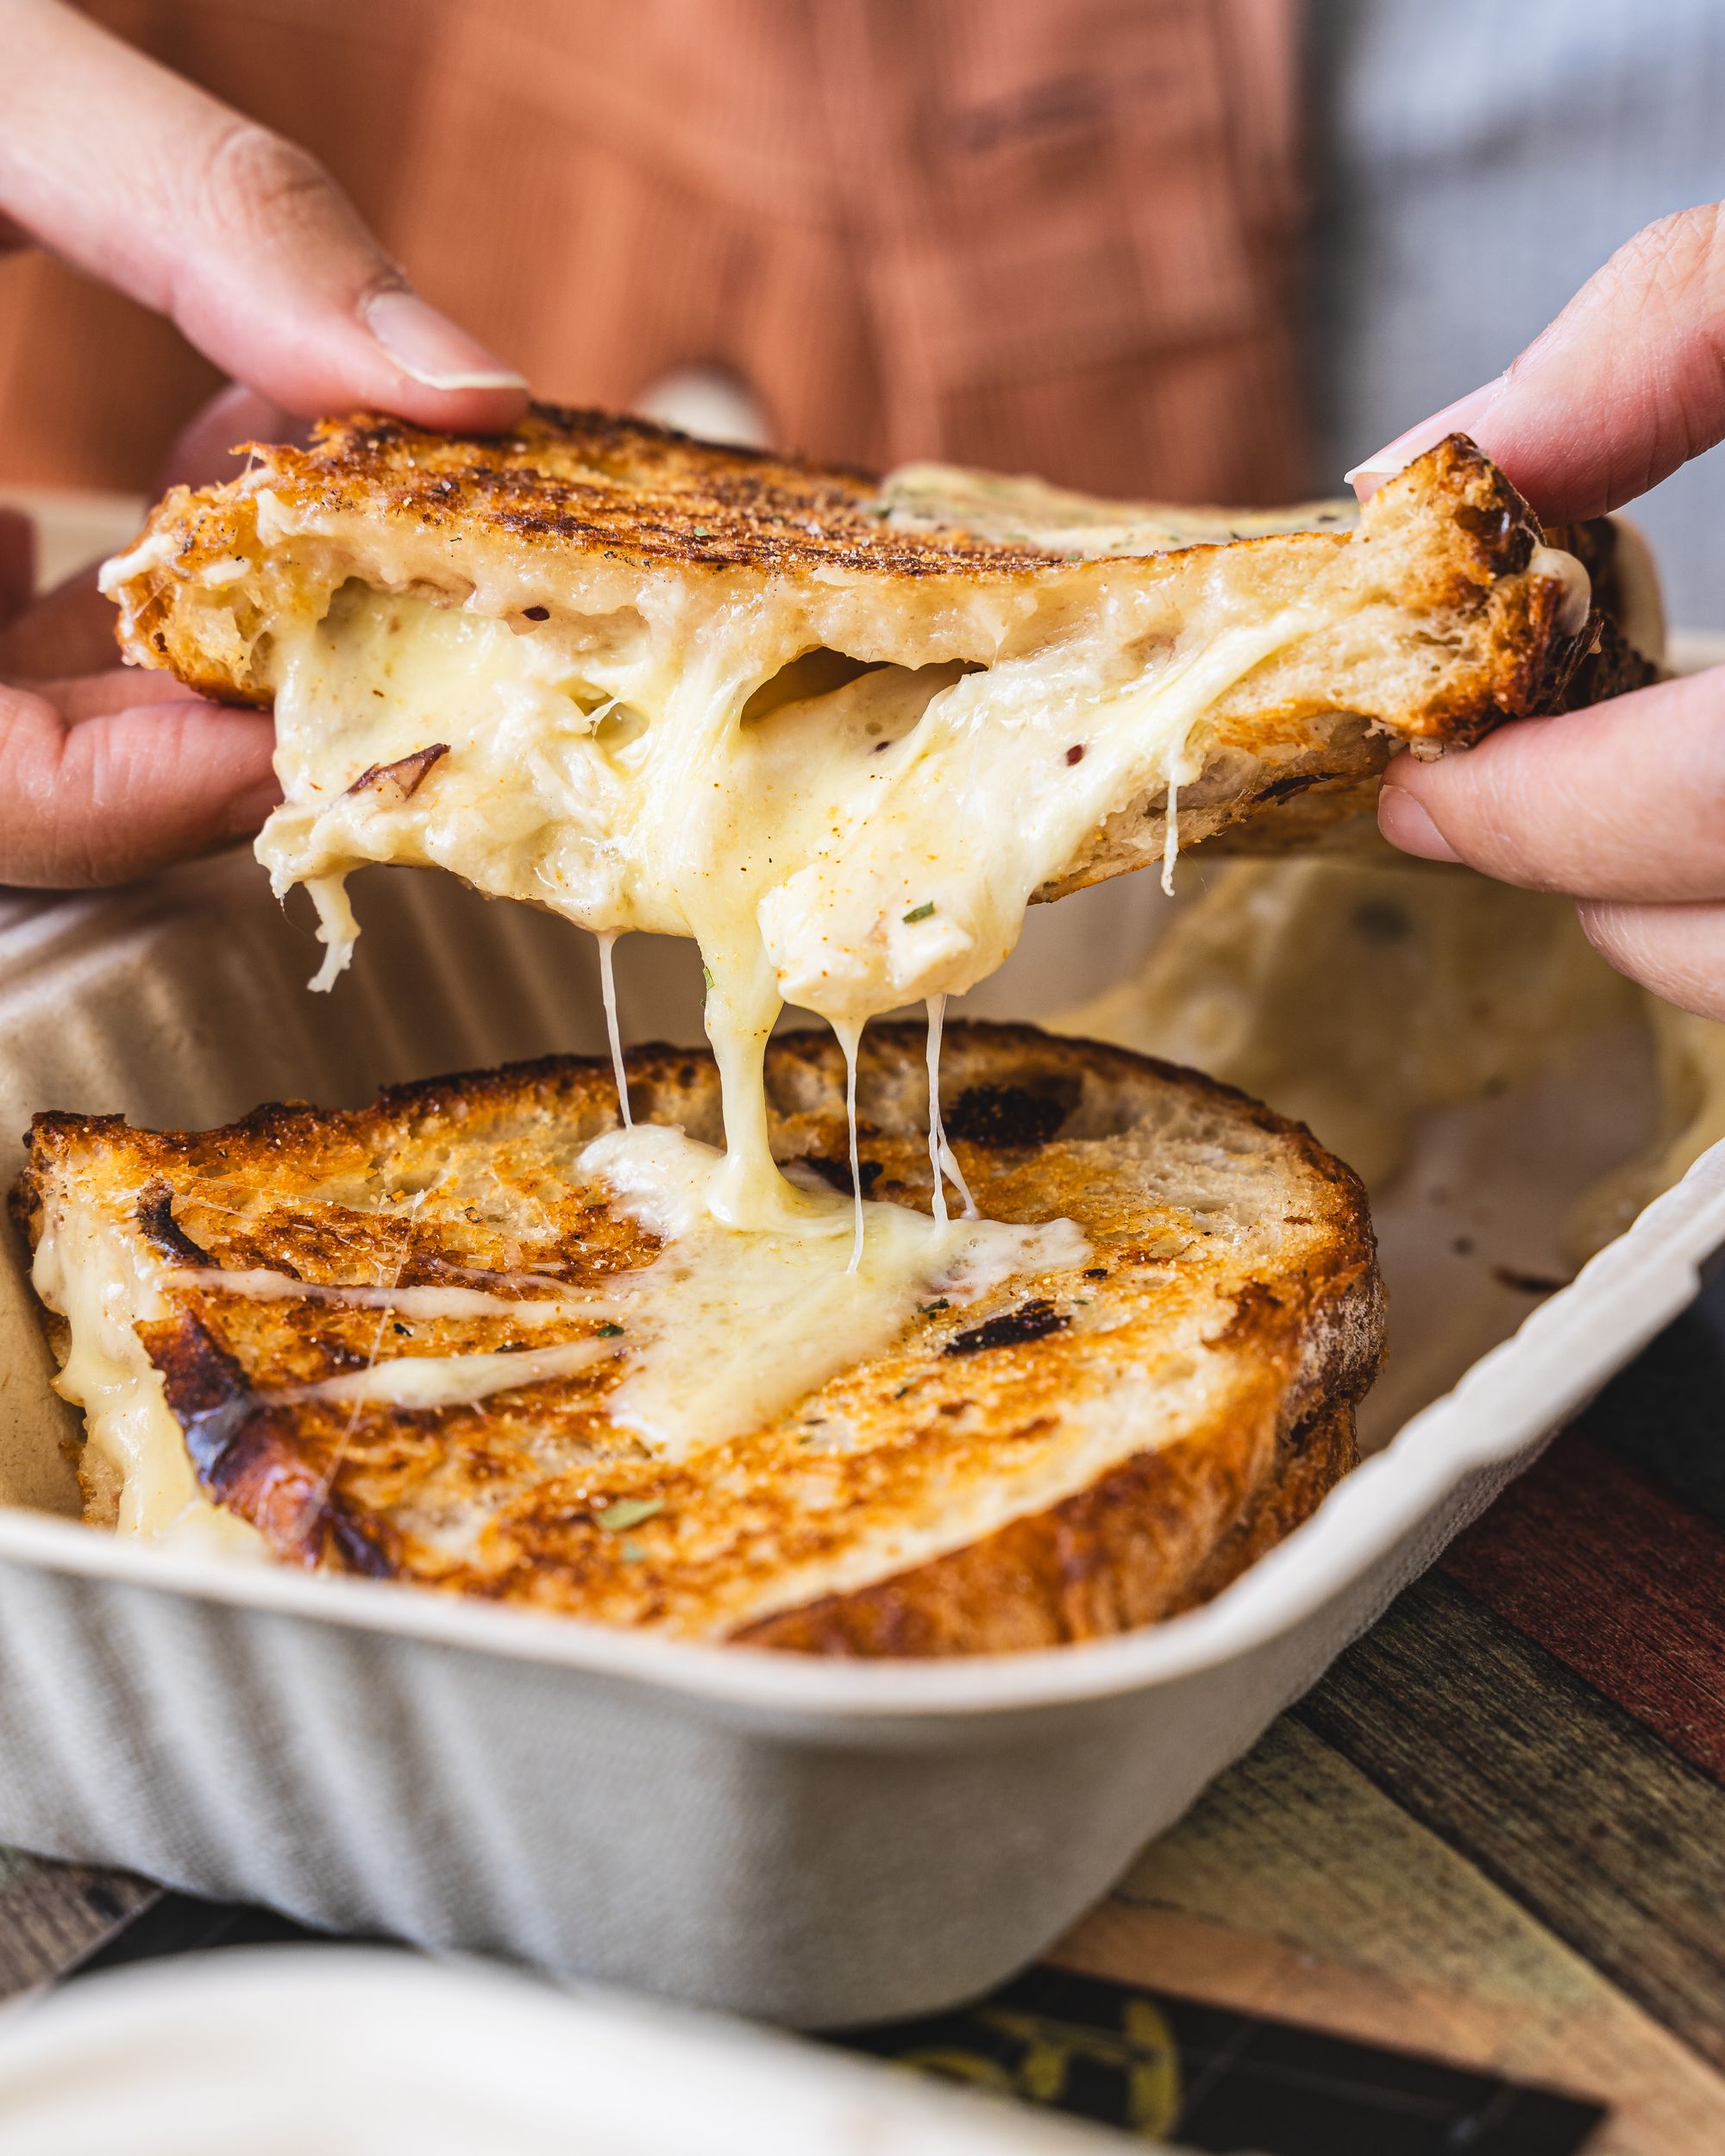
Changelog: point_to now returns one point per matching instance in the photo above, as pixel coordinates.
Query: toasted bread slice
(264, 1320)
(572, 663)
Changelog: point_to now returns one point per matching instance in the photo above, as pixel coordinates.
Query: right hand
(1622, 805)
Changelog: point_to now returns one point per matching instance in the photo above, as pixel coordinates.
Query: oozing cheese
(723, 1332)
(720, 1334)
(261, 1284)
(849, 837)
(103, 1281)
(444, 1381)
(607, 975)
(846, 839)
(943, 1167)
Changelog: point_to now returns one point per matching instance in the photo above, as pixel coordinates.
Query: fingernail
(429, 346)
(246, 811)
(1461, 417)
(1405, 823)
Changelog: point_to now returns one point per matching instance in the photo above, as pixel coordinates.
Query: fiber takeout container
(815, 1842)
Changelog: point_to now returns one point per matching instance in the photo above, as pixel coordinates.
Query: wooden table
(1467, 1896)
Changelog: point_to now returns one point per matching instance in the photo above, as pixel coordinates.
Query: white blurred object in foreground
(361, 2051)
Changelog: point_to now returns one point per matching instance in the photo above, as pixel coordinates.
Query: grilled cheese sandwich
(841, 732)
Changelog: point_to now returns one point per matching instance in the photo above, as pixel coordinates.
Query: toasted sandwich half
(840, 730)
(444, 1339)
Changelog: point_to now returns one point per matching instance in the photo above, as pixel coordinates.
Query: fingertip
(155, 784)
(460, 411)
(447, 377)
(1407, 825)
(1466, 416)
(1366, 479)
(1675, 952)
(204, 450)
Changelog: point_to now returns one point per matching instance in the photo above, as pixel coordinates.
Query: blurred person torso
(1068, 236)
(1053, 237)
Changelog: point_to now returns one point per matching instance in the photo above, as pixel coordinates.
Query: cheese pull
(840, 734)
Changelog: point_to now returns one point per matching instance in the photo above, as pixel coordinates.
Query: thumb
(126, 791)
(1627, 383)
(240, 236)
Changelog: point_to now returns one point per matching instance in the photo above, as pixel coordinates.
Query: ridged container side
(588, 1826)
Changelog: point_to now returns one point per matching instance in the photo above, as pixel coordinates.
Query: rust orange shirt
(1056, 235)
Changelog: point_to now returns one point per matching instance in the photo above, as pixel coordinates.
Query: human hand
(1622, 805)
(243, 239)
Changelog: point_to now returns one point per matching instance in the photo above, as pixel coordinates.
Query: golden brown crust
(585, 480)
(1449, 541)
(1162, 1533)
(1442, 626)
(1271, 1258)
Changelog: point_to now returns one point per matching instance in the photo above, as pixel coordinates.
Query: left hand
(110, 772)
(140, 179)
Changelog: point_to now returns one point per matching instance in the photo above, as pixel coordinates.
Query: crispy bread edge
(1165, 1530)
(1160, 1535)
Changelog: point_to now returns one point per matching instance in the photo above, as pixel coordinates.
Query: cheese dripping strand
(606, 940)
(942, 1164)
(850, 1039)
(849, 850)
(1171, 837)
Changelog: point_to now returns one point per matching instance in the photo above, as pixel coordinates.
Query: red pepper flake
(1075, 753)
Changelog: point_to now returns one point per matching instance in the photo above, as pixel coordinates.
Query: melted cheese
(725, 1331)
(849, 840)
(943, 1166)
(263, 1284)
(607, 978)
(445, 1381)
(844, 836)
(720, 1334)
(103, 1281)
(1576, 585)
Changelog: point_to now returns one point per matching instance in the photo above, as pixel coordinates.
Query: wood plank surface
(1298, 1888)
(1608, 1836)
(54, 1915)
(1493, 1840)
(1620, 1581)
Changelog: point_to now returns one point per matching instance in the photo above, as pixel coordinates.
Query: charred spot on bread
(162, 1232)
(834, 1170)
(1032, 1320)
(1006, 1116)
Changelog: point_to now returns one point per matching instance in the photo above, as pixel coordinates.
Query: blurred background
(1197, 249)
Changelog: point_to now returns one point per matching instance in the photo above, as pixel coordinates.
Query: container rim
(1502, 1407)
